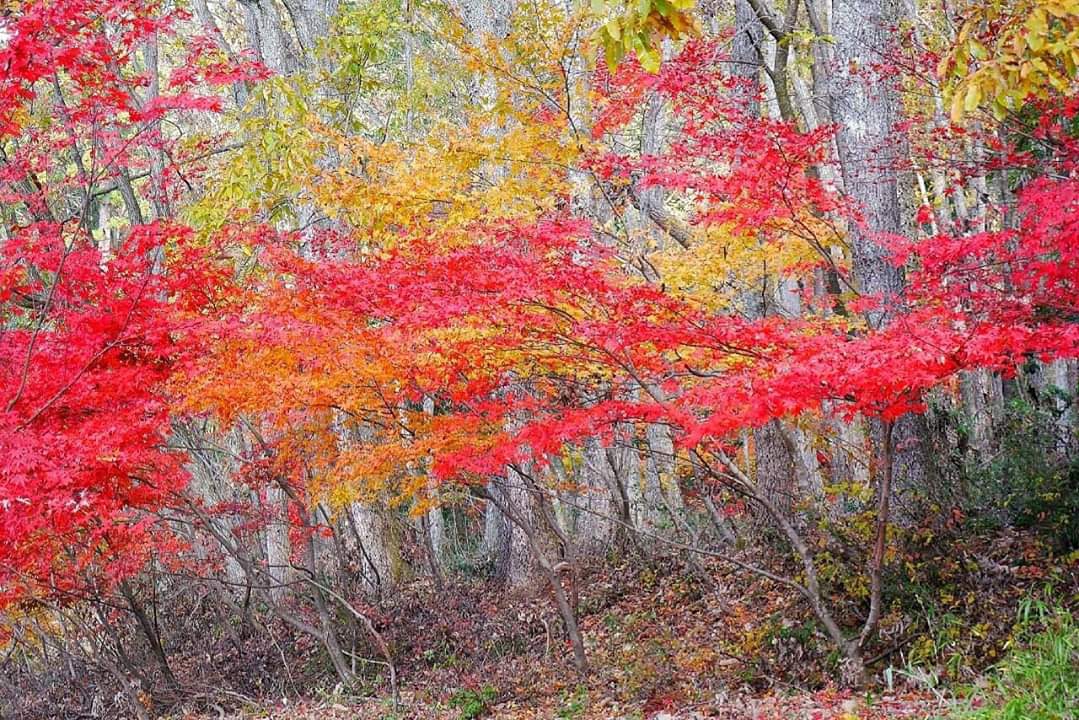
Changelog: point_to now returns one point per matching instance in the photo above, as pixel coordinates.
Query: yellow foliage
(1033, 51)
(723, 264)
(639, 27)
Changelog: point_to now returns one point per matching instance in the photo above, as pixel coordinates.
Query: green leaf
(973, 97)
(613, 53)
(650, 59)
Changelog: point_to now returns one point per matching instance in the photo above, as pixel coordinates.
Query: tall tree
(865, 104)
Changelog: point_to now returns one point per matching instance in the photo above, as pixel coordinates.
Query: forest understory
(664, 641)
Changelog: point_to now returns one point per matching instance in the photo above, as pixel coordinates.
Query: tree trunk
(521, 559)
(661, 468)
(496, 532)
(746, 55)
(983, 406)
(775, 469)
(311, 20)
(596, 499)
(531, 528)
(865, 105)
(278, 550)
(266, 36)
(483, 20)
(377, 545)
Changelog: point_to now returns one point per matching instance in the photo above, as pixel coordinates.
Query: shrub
(473, 704)
(1029, 481)
(1039, 677)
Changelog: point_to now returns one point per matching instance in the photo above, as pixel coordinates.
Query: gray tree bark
(865, 105)
(436, 522)
(266, 35)
(598, 482)
(311, 21)
(775, 468)
(983, 406)
(278, 548)
(377, 545)
(492, 20)
(746, 54)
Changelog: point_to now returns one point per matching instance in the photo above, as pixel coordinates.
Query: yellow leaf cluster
(724, 263)
(1033, 51)
(639, 27)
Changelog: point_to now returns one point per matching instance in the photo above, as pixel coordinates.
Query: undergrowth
(1038, 679)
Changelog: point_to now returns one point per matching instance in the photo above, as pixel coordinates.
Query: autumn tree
(314, 311)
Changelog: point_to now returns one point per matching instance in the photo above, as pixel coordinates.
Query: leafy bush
(573, 703)
(1029, 481)
(473, 703)
(1039, 678)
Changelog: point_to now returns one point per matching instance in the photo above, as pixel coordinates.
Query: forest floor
(666, 643)
(816, 706)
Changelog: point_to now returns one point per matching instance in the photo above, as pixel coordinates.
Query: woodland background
(405, 358)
